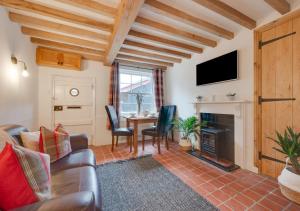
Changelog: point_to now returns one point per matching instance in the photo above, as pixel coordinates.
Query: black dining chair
(164, 126)
(116, 130)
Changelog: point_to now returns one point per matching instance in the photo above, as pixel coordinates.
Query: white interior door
(74, 104)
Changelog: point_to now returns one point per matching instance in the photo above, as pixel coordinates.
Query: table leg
(128, 137)
(135, 138)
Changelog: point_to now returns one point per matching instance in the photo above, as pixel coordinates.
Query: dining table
(136, 121)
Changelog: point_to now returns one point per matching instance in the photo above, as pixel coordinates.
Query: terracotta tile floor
(239, 190)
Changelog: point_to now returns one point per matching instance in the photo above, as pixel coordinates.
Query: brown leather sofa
(74, 182)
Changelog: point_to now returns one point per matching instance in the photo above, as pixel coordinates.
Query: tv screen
(222, 68)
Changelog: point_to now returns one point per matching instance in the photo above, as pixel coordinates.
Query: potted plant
(188, 129)
(289, 179)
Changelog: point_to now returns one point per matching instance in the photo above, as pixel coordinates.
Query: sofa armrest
(84, 200)
(79, 141)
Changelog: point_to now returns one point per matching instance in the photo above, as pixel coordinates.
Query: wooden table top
(141, 118)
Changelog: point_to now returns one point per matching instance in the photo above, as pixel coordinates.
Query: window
(133, 82)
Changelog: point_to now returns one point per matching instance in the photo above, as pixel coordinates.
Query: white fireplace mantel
(223, 102)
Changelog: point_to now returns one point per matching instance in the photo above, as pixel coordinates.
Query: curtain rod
(141, 67)
(136, 67)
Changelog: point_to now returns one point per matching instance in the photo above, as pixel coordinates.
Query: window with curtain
(135, 81)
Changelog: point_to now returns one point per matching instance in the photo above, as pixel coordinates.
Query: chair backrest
(165, 119)
(112, 116)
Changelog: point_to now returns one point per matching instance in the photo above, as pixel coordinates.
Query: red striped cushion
(24, 177)
(36, 167)
(55, 143)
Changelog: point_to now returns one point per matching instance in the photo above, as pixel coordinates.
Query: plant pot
(289, 183)
(185, 144)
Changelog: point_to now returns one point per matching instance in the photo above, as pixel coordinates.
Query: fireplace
(212, 141)
(217, 140)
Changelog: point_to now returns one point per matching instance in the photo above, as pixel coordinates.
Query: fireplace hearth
(217, 141)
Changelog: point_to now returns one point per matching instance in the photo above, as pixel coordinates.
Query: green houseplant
(289, 179)
(188, 129)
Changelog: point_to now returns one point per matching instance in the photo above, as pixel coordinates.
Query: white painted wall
(90, 69)
(18, 95)
(181, 86)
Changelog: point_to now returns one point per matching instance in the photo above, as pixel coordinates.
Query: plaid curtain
(114, 89)
(158, 78)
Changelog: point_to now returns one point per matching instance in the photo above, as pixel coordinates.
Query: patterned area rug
(144, 184)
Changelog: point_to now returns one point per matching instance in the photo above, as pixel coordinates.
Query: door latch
(58, 108)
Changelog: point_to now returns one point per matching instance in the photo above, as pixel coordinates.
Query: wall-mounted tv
(223, 68)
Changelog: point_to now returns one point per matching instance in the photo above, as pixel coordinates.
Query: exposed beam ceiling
(140, 59)
(53, 44)
(152, 55)
(181, 16)
(164, 41)
(228, 12)
(158, 49)
(282, 6)
(56, 13)
(140, 64)
(176, 32)
(128, 11)
(40, 23)
(62, 38)
(93, 6)
(103, 31)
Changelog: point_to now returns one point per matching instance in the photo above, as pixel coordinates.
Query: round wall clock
(74, 92)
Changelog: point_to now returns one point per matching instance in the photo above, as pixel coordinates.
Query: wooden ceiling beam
(62, 38)
(93, 57)
(139, 64)
(128, 10)
(186, 18)
(157, 49)
(164, 41)
(93, 6)
(176, 32)
(282, 6)
(228, 12)
(151, 55)
(140, 59)
(40, 23)
(47, 43)
(55, 13)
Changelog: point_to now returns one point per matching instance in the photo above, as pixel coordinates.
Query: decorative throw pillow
(31, 140)
(24, 177)
(55, 143)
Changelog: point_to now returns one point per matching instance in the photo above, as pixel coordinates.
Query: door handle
(74, 107)
(264, 100)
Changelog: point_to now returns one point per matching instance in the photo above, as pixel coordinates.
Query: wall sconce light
(14, 60)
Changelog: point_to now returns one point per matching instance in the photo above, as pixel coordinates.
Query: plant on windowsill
(188, 129)
(289, 179)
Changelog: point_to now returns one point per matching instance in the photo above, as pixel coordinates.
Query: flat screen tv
(223, 68)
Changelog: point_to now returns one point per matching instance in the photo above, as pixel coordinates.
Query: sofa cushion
(76, 180)
(84, 200)
(55, 143)
(79, 158)
(15, 191)
(31, 140)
